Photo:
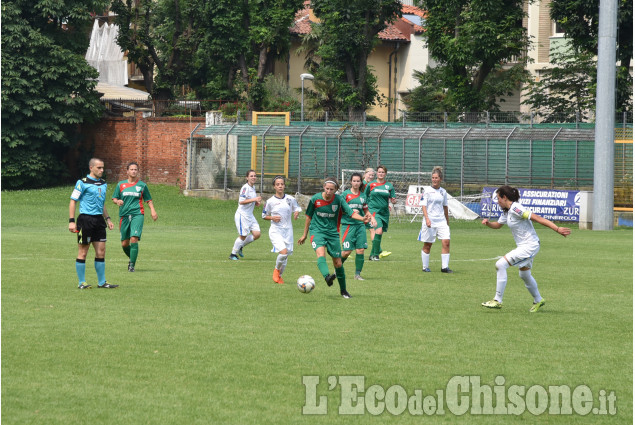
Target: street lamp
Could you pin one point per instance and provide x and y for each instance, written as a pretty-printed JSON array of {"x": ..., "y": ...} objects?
[{"x": 302, "y": 78}]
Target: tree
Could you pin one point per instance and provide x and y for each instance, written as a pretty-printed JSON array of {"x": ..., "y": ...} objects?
[
  {"x": 580, "y": 20},
  {"x": 47, "y": 87},
  {"x": 162, "y": 34},
  {"x": 204, "y": 44},
  {"x": 473, "y": 40},
  {"x": 431, "y": 95},
  {"x": 265, "y": 37},
  {"x": 348, "y": 30},
  {"x": 566, "y": 92}
]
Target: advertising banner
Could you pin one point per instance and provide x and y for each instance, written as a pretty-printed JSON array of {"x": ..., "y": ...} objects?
[{"x": 555, "y": 205}]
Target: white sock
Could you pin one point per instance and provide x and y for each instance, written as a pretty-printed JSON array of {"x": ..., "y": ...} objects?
[
  {"x": 280, "y": 262},
  {"x": 425, "y": 259},
  {"x": 249, "y": 239},
  {"x": 501, "y": 278},
  {"x": 284, "y": 265},
  {"x": 237, "y": 244},
  {"x": 530, "y": 284},
  {"x": 445, "y": 261}
]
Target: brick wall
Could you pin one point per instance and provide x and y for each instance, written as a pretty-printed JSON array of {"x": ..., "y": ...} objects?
[{"x": 159, "y": 145}]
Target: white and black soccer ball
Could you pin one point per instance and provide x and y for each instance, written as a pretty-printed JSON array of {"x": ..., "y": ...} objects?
[{"x": 306, "y": 284}]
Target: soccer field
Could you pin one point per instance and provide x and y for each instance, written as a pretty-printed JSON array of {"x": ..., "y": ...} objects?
[{"x": 194, "y": 338}]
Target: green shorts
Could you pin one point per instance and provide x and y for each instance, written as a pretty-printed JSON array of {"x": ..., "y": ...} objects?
[
  {"x": 131, "y": 225},
  {"x": 354, "y": 237},
  {"x": 382, "y": 221},
  {"x": 332, "y": 244}
]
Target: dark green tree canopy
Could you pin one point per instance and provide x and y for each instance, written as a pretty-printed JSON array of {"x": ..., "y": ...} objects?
[
  {"x": 473, "y": 41},
  {"x": 203, "y": 44},
  {"x": 164, "y": 34},
  {"x": 348, "y": 34},
  {"x": 47, "y": 87}
]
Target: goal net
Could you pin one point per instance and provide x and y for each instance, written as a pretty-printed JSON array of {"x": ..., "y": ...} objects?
[{"x": 408, "y": 189}]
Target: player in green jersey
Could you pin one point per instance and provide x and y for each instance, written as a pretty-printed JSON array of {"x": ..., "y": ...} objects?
[
  {"x": 130, "y": 195},
  {"x": 378, "y": 195},
  {"x": 354, "y": 232},
  {"x": 323, "y": 216}
]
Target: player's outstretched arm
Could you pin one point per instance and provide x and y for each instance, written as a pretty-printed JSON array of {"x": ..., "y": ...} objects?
[
  {"x": 564, "y": 231},
  {"x": 358, "y": 217},
  {"x": 491, "y": 224}
]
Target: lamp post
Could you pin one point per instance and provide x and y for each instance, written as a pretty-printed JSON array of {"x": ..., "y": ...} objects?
[{"x": 302, "y": 78}]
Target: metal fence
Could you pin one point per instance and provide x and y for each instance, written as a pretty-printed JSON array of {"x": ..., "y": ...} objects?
[
  {"x": 236, "y": 112},
  {"x": 472, "y": 157}
]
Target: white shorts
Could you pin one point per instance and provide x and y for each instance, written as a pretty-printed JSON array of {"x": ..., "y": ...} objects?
[
  {"x": 522, "y": 256},
  {"x": 244, "y": 225},
  {"x": 281, "y": 240},
  {"x": 429, "y": 234}
]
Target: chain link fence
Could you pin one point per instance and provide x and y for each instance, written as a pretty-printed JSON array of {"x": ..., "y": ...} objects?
[{"x": 540, "y": 155}]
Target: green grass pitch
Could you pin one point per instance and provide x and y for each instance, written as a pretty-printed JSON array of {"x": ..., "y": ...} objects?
[{"x": 193, "y": 338}]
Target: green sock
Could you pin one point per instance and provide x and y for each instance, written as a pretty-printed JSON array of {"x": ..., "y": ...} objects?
[
  {"x": 126, "y": 250},
  {"x": 359, "y": 263},
  {"x": 323, "y": 267},
  {"x": 376, "y": 245},
  {"x": 344, "y": 259},
  {"x": 341, "y": 278},
  {"x": 134, "y": 252}
]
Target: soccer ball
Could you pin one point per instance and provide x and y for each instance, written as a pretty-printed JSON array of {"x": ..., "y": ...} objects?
[{"x": 305, "y": 284}]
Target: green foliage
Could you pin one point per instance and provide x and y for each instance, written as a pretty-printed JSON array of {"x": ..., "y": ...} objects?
[
  {"x": 231, "y": 109},
  {"x": 580, "y": 21},
  {"x": 346, "y": 36},
  {"x": 164, "y": 34},
  {"x": 433, "y": 95},
  {"x": 279, "y": 96},
  {"x": 220, "y": 49},
  {"x": 47, "y": 87},
  {"x": 566, "y": 91},
  {"x": 194, "y": 338},
  {"x": 473, "y": 40},
  {"x": 430, "y": 95}
]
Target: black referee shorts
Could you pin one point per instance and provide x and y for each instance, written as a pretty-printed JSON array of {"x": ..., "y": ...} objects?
[{"x": 90, "y": 228}]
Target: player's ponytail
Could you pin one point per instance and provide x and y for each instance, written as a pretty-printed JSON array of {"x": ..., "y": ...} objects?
[{"x": 509, "y": 192}]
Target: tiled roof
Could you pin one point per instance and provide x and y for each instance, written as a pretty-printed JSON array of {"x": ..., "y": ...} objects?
[
  {"x": 302, "y": 24},
  {"x": 413, "y": 10},
  {"x": 394, "y": 32}
]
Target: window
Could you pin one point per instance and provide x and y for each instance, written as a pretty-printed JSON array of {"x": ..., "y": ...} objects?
[{"x": 556, "y": 29}]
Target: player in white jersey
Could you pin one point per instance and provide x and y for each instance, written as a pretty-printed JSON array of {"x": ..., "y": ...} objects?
[
  {"x": 246, "y": 223},
  {"x": 279, "y": 209},
  {"x": 436, "y": 223},
  {"x": 519, "y": 219}
]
